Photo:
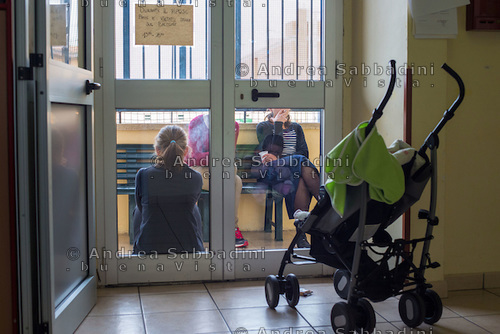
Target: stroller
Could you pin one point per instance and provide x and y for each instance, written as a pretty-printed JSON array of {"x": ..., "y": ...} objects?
[{"x": 370, "y": 265}]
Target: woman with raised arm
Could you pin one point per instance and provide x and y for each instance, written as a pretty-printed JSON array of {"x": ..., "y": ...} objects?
[{"x": 286, "y": 166}]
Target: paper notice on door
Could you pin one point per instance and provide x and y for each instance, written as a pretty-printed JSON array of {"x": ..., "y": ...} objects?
[
  {"x": 424, "y": 7},
  {"x": 163, "y": 25},
  {"x": 438, "y": 25},
  {"x": 58, "y": 25}
]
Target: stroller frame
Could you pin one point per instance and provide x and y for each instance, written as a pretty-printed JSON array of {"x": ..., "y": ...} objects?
[{"x": 358, "y": 314}]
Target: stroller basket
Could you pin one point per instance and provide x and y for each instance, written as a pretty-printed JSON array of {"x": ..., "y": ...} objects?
[{"x": 370, "y": 265}]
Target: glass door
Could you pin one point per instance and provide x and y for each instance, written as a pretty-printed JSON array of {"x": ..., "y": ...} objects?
[
  {"x": 209, "y": 74},
  {"x": 65, "y": 166},
  {"x": 284, "y": 55},
  {"x": 161, "y": 70}
]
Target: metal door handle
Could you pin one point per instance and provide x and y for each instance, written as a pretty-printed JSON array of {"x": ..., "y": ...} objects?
[
  {"x": 256, "y": 95},
  {"x": 91, "y": 86}
]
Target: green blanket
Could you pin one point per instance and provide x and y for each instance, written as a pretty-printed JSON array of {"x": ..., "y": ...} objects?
[{"x": 356, "y": 159}]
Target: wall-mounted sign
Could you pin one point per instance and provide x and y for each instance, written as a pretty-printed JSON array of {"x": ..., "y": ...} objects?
[{"x": 163, "y": 24}]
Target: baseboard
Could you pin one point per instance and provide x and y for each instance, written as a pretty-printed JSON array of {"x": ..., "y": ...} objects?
[
  {"x": 492, "y": 280},
  {"x": 464, "y": 281},
  {"x": 473, "y": 281}
]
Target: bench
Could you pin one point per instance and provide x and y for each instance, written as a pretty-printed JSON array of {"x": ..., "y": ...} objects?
[{"x": 132, "y": 157}]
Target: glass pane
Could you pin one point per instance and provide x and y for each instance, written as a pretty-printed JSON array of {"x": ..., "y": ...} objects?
[
  {"x": 278, "y": 41},
  {"x": 271, "y": 194},
  {"x": 134, "y": 61},
  {"x": 162, "y": 203},
  {"x": 67, "y": 33},
  {"x": 69, "y": 197}
]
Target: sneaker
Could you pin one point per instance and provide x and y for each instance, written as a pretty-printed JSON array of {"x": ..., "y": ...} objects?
[
  {"x": 302, "y": 240},
  {"x": 240, "y": 241}
]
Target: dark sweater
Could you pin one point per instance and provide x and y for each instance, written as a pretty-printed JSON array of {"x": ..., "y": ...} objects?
[
  {"x": 166, "y": 219},
  {"x": 270, "y": 136}
]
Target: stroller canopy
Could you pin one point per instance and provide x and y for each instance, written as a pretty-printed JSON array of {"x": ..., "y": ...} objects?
[{"x": 356, "y": 159}]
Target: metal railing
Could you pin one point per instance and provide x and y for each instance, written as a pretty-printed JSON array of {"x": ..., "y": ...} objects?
[
  {"x": 128, "y": 116},
  {"x": 273, "y": 40}
]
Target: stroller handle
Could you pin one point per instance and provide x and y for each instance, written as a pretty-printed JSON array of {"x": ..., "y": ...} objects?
[
  {"x": 461, "y": 86},
  {"x": 377, "y": 113},
  {"x": 432, "y": 140}
]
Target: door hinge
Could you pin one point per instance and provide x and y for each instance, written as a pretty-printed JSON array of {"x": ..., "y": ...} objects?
[
  {"x": 26, "y": 73},
  {"x": 43, "y": 328},
  {"x": 101, "y": 67},
  {"x": 36, "y": 60}
]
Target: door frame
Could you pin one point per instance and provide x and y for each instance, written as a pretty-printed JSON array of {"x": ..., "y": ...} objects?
[
  {"x": 222, "y": 107},
  {"x": 24, "y": 105},
  {"x": 111, "y": 269},
  {"x": 331, "y": 124}
]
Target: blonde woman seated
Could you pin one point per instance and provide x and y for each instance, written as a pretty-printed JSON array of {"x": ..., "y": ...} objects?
[{"x": 166, "y": 218}]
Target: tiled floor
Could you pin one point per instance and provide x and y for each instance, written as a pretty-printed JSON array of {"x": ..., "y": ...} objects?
[{"x": 240, "y": 308}]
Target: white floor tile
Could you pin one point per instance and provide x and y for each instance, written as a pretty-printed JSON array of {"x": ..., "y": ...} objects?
[
  {"x": 119, "y": 324},
  {"x": 263, "y": 317},
  {"x": 177, "y": 302},
  {"x": 192, "y": 322},
  {"x": 117, "y": 305}
]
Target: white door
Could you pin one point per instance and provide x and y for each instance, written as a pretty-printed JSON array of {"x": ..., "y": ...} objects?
[
  {"x": 65, "y": 166},
  {"x": 151, "y": 83},
  {"x": 148, "y": 84},
  {"x": 284, "y": 55}
]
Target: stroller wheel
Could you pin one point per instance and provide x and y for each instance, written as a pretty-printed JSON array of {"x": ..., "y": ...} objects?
[
  {"x": 365, "y": 323},
  {"x": 341, "y": 280},
  {"x": 272, "y": 287},
  {"x": 343, "y": 318},
  {"x": 292, "y": 290},
  {"x": 433, "y": 307},
  {"x": 411, "y": 309}
]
